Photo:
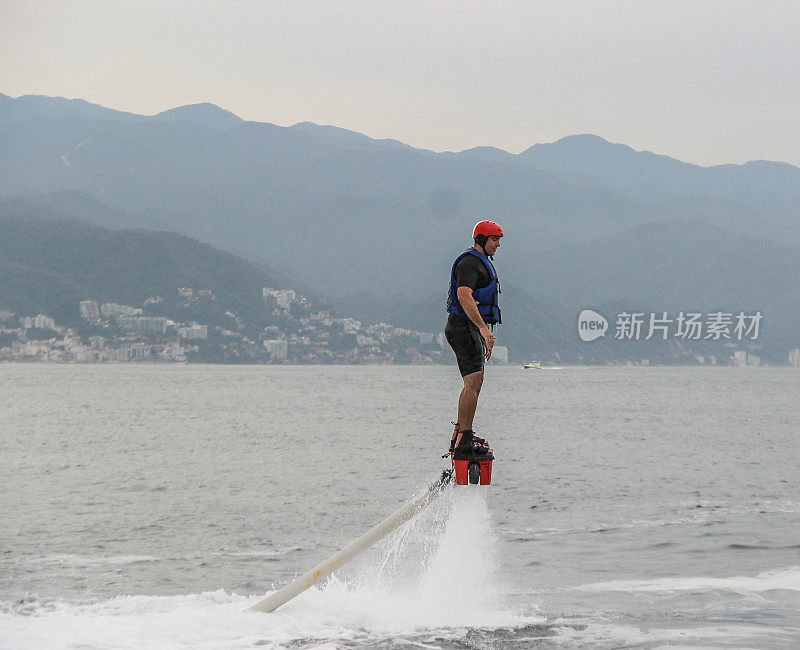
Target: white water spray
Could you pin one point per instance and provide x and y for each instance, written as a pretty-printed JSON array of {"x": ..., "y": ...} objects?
[{"x": 438, "y": 571}]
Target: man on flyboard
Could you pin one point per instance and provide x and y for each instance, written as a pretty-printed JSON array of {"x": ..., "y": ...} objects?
[{"x": 472, "y": 308}]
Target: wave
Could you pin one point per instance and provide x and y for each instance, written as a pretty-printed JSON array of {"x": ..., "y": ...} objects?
[
  {"x": 595, "y": 634},
  {"x": 75, "y": 560},
  {"x": 71, "y": 559},
  {"x": 786, "y": 578},
  {"x": 702, "y": 513}
]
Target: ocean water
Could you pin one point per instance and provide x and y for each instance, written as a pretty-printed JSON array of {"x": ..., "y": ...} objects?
[{"x": 149, "y": 506}]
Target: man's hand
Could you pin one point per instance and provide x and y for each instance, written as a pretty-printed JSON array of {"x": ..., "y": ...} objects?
[{"x": 488, "y": 339}]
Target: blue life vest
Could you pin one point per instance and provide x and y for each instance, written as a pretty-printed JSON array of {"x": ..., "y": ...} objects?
[{"x": 485, "y": 297}]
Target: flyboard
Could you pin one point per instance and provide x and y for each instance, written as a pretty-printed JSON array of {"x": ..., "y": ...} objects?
[{"x": 468, "y": 468}]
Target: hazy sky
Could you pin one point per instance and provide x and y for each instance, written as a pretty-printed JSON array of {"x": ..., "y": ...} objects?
[{"x": 703, "y": 81}]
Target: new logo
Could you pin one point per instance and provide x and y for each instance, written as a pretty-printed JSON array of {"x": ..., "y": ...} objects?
[{"x": 591, "y": 325}]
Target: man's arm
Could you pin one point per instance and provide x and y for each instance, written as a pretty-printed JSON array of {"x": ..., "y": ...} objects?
[{"x": 470, "y": 308}]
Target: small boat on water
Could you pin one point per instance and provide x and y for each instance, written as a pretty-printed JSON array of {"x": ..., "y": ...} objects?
[{"x": 533, "y": 364}]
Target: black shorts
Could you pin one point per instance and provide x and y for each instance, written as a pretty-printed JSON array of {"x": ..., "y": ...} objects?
[{"x": 467, "y": 343}]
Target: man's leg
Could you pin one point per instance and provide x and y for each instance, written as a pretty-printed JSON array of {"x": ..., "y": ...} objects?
[
  {"x": 468, "y": 400},
  {"x": 467, "y": 343}
]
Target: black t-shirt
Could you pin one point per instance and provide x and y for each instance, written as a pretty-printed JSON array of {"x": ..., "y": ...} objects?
[{"x": 472, "y": 272}]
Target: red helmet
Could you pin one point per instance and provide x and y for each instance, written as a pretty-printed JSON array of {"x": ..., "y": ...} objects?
[{"x": 487, "y": 229}]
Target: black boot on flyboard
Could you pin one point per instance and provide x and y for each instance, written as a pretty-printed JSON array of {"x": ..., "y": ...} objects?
[
  {"x": 479, "y": 445},
  {"x": 472, "y": 458}
]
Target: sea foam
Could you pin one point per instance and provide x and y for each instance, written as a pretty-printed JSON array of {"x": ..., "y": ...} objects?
[{"x": 437, "y": 574}]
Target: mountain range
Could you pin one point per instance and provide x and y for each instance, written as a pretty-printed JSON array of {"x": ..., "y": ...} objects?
[
  {"x": 375, "y": 224},
  {"x": 49, "y": 264}
]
